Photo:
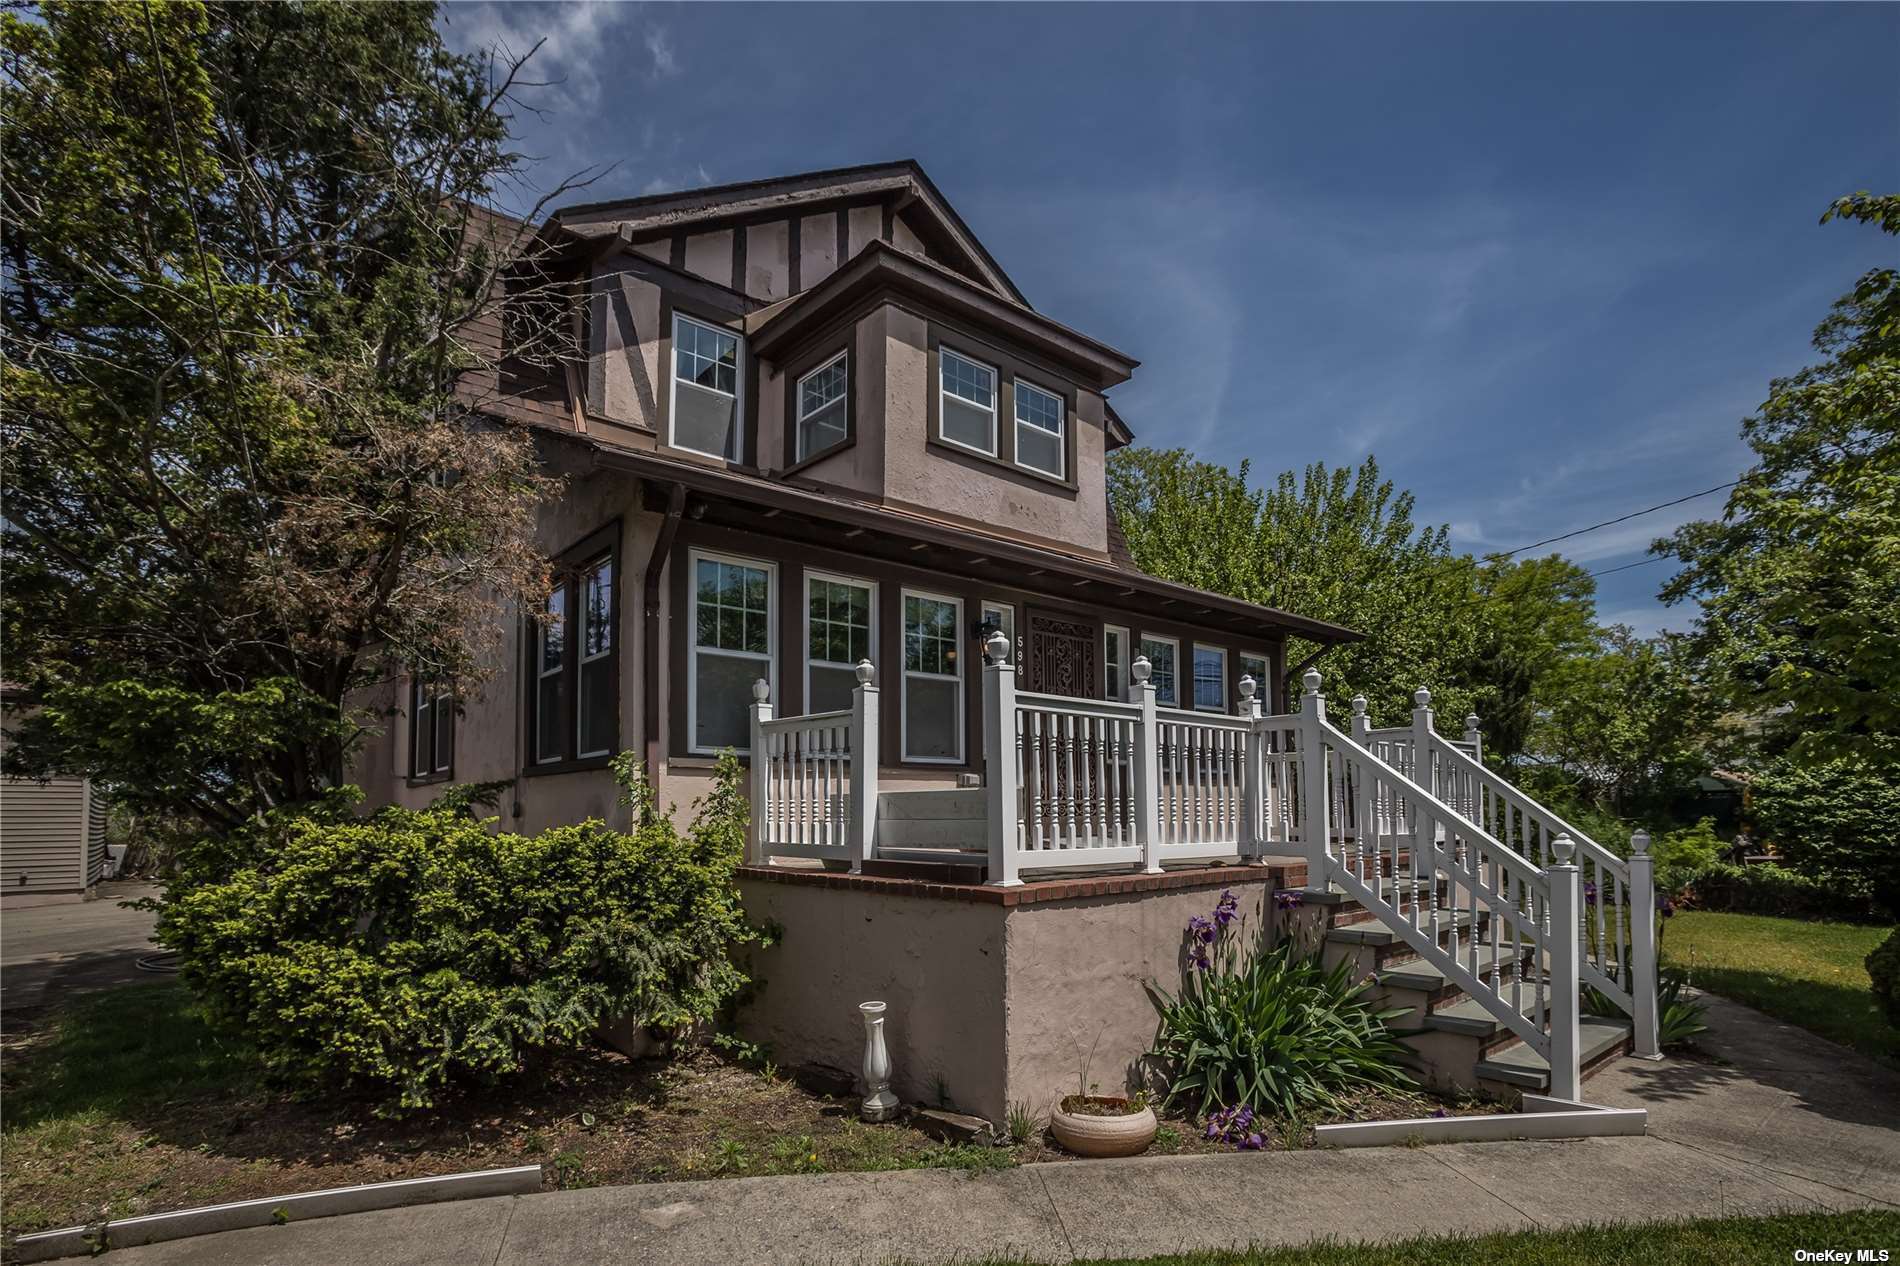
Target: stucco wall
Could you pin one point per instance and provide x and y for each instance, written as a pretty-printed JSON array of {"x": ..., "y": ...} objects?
[
  {"x": 1075, "y": 973},
  {"x": 937, "y": 964},
  {"x": 919, "y": 475}
]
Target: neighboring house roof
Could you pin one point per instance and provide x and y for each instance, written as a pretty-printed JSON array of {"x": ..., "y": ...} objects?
[
  {"x": 708, "y": 208},
  {"x": 969, "y": 547}
]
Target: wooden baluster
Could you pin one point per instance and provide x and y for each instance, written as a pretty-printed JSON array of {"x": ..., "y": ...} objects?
[
  {"x": 1068, "y": 779},
  {"x": 1091, "y": 784},
  {"x": 1032, "y": 776}
]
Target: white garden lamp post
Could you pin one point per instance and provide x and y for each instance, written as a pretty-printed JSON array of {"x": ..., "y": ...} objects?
[{"x": 879, "y": 1103}]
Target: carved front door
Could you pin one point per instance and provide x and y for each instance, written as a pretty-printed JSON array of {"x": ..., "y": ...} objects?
[{"x": 1060, "y": 657}]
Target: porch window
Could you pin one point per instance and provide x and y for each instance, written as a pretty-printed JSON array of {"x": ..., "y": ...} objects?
[
  {"x": 840, "y": 623},
  {"x": 1255, "y": 666},
  {"x": 431, "y": 729},
  {"x": 1115, "y": 663},
  {"x": 550, "y": 654},
  {"x": 1040, "y": 426},
  {"x": 594, "y": 717},
  {"x": 1162, "y": 653},
  {"x": 732, "y": 615},
  {"x": 574, "y": 711},
  {"x": 707, "y": 405},
  {"x": 1210, "y": 678},
  {"x": 967, "y": 403},
  {"x": 933, "y": 679},
  {"x": 821, "y": 406}
]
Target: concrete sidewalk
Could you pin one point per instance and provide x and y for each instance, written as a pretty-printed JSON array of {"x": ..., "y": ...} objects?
[
  {"x": 48, "y": 952},
  {"x": 1790, "y": 1123}
]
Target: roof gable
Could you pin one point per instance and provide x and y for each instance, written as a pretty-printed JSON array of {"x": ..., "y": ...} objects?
[{"x": 902, "y": 187}]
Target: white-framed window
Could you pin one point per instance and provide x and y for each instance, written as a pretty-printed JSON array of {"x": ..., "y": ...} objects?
[
  {"x": 1254, "y": 665},
  {"x": 966, "y": 402},
  {"x": 933, "y": 678},
  {"x": 1041, "y": 430},
  {"x": 707, "y": 409},
  {"x": 1115, "y": 662},
  {"x": 550, "y": 660},
  {"x": 1003, "y": 616},
  {"x": 822, "y": 404},
  {"x": 732, "y": 609},
  {"x": 1210, "y": 678},
  {"x": 594, "y": 713},
  {"x": 1164, "y": 655},
  {"x": 840, "y": 630}
]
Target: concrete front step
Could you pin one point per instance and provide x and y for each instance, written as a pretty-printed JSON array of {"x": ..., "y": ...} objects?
[
  {"x": 1601, "y": 1041},
  {"x": 1377, "y": 933}
]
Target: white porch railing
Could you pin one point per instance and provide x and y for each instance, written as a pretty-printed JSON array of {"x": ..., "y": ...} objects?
[{"x": 814, "y": 779}]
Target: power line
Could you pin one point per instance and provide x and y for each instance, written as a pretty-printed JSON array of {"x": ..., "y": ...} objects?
[
  {"x": 1634, "y": 514},
  {"x": 1607, "y": 571}
]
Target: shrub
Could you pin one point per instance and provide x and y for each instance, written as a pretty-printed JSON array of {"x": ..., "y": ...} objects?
[
  {"x": 401, "y": 952},
  {"x": 1765, "y": 888},
  {"x": 1680, "y": 854},
  {"x": 1834, "y": 823},
  {"x": 1268, "y": 1028},
  {"x": 1677, "y": 1018},
  {"x": 1883, "y": 966}
]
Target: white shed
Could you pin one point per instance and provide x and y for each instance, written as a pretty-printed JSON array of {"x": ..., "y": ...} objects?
[{"x": 52, "y": 837}]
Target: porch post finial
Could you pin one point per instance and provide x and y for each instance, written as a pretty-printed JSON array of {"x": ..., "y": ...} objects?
[
  {"x": 761, "y": 690},
  {"x": 1141, "y": 669},
  {"x": 865, "y": 672},
  {"x": 1422, "y": 697},
  {"x": 1361, "y": 723},
  {"x": 1310, "y": 679},
  {"x": 1247, "y": 686},
  {"x": 997, "y": 647}
]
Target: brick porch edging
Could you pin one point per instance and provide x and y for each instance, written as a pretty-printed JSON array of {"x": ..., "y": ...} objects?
[{"x": 1037, "y": 891}]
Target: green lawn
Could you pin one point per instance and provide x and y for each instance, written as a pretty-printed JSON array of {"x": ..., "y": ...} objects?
[
  {"x": 1810, "y": 974},
  {"x": 1712, "y": 1242}
]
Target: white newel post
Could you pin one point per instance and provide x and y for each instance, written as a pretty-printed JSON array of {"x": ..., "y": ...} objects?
[
  {"x": 864, "y": 751},
  {"x": 1566, "y": 1007},
  {"x": 761, "y": 774},
  {"x": 1253, "y": 770},
  {"x": 1475, "y": 737},
  {"x": 1147, "y": 764},
  {"x": 1422, "y": 762},
  {"x": 1315, "y": 797},
  {"x": 1361, "y": 723},
  {"x": 1646, "y": 1039},
  {"x": 1000, "y": 766}
]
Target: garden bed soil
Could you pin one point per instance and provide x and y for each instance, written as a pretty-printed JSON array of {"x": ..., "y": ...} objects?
[{"x": 124, "y": 1103}]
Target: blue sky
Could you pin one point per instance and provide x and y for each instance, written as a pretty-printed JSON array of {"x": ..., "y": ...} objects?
[{"x": 1540, "y": 260}]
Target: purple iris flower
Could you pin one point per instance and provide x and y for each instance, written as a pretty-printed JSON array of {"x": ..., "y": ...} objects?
[
  {"x": 1252, "y": 1143},
  {"x": 1667, "y": 907},
  {"x": 1198, "y": 958},
  {"x": 1589, "y": 894},
  {"x": 1287, "y": 899},
  {"x": 1228, "y": 907}
]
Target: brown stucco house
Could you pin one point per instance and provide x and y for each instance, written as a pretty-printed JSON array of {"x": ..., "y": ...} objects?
[{"x": 835, "y": 499}]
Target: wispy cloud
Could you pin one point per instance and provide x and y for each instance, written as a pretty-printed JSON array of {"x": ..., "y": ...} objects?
[
  {"x": 579, "y": 42},
  {"x": 660, "y": 49}
]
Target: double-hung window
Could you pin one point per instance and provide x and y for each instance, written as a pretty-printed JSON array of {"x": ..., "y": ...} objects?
[
  {"x": 933, "y": 679},
  {"x": 573, "y": 661},
  {"x": 707, "y": 406},
  {"x": 733, "y": 610},
  {"x": 1041, "y": 430},
  {"x": 840, "y": 630},
  {"x": 1115, "y": 662},
  {"x": 1210, "y": 678},
  {"x": 966, "y": 404},
  {"x": 1162, "y": 653},
  {"x": 431, "y": 729},
  {"x": 822, "y": 405}
]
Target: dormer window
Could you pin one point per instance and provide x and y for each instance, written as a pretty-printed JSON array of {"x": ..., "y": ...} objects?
[
  {"x": 967, "y": 415},
  {"x": 707, "y": 403},
  {"x": 822, "y": 405},
  {"x": 1040, "y": 430}
]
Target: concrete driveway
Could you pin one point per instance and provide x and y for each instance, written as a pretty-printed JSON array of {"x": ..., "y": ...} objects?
[{"x": 49, "y": 951}]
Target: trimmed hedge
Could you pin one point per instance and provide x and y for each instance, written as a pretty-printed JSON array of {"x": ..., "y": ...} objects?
[
  {"x": 404, "y": 952},
  {"x": 1765, "y": 888}
]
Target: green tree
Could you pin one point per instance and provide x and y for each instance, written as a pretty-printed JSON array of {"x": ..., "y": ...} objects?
[
  {"x": 1530, "y": 620},
  {"x": 243, "y": 246},
  {"x": 1799, "y": 581}
]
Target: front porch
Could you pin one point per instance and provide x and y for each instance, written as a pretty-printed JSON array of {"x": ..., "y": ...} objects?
[{"x": 1476, "y": 909}]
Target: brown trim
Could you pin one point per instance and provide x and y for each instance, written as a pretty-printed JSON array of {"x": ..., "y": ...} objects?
[
  {"x": 844, "y": 236},
  {"x": 738, "y": 260},
  {"x": 605, "y": 541},
  {"x": 1279, "y": 876},
  {"x": 455, "y": 716},
  {"x": 796, "y": 370},
  {"x": 887, "y": 229},
  {"x": 1008, "y": 369},
  {"x": 652, "y": 609},
  {"x": 676, "y": 252},
  {"x": 794, "y": 245}
]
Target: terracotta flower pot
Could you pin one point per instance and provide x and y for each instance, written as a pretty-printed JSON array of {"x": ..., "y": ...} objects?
[{"x": 1115, "y": 1132}]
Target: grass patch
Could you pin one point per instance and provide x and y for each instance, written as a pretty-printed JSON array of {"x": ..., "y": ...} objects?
[
  {"x": 1707, "y": 1242},
  {"x": 1810, "y": 974}
]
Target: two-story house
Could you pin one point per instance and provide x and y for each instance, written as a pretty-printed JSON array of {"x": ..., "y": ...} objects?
[{"x": 835, "y": 498}]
